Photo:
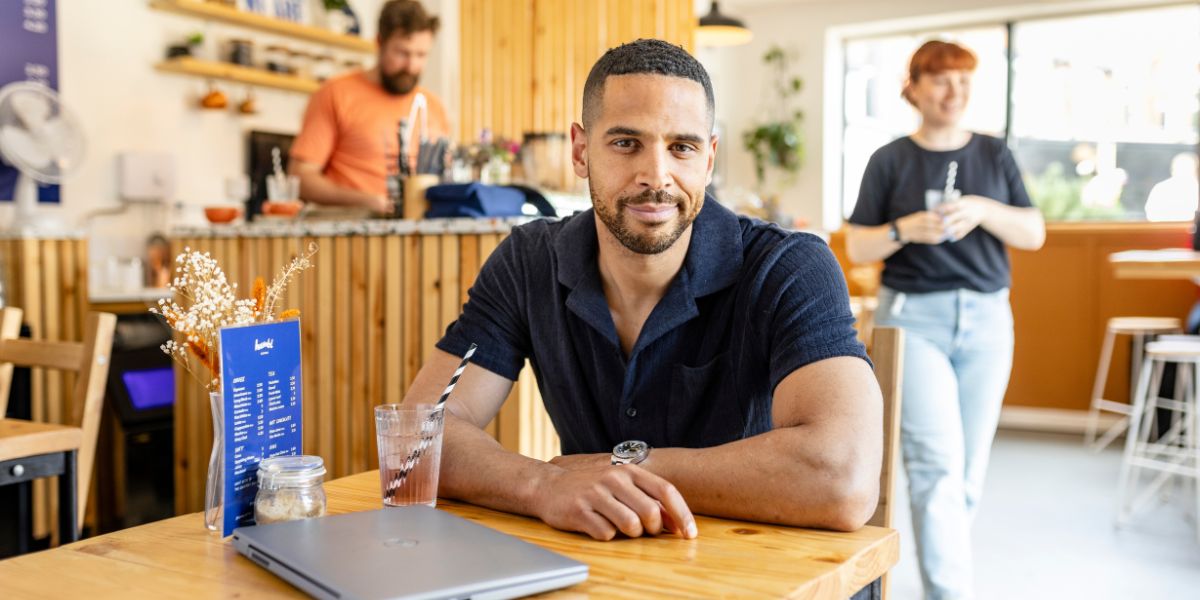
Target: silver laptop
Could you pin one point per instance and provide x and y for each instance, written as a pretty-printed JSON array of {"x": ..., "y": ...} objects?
[{"x": 413, "y": 552}]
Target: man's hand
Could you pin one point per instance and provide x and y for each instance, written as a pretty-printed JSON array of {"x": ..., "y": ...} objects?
[
  {"x": 965, "y": 214},
  {"x": 602, "y": 499},
  {"x": 575, "y": 462},
  {"x": 381, "y": 205}
]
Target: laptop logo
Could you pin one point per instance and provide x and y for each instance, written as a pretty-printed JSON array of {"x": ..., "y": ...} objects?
[{"x": 400, "y": 543}]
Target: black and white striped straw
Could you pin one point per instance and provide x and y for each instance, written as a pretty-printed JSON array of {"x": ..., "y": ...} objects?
[{"x": 462, "y": 366}]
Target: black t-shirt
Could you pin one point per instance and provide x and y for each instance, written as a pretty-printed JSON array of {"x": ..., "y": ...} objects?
[{"x": 903, "y": 178}]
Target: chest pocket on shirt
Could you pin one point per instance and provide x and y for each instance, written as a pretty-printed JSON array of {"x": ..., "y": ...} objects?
[{"x": 704, "y": 409}]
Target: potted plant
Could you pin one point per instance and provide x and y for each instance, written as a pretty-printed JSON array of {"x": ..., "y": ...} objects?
[
  {"x": 777, "y": 143},
  {"x": 340, "y": 18}
]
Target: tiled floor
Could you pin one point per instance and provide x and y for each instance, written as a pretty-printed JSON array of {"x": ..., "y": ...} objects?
[{"x": 1045, "y": 530}]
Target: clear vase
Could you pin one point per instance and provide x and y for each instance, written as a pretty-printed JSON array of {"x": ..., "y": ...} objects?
[{"x": 214, "y": 490}]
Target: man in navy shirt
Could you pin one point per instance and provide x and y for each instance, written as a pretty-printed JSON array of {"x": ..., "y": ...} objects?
[{"x": 690, "y": 359}]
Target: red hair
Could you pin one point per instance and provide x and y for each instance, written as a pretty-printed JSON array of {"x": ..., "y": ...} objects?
[{"x": 936, "y": 56}]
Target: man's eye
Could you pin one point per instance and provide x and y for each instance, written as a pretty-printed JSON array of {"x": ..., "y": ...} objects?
[
  {"x": 624, "y": 143},
  {"x": 682, "y": 148}
]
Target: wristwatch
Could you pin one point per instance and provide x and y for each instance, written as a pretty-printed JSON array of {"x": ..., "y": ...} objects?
[
  {"x": 894, "y": 233},
  {"x": 630, "y": 452}
]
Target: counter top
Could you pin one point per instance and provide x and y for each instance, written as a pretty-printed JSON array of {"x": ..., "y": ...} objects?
[
  {"x": 104, "y": 296},
  {"x": 346, "y": 228}
]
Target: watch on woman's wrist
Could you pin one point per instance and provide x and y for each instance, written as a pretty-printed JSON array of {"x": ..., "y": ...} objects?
[
  {"x": 894, "y": 233},
  {"x": 630, "y": 452}
]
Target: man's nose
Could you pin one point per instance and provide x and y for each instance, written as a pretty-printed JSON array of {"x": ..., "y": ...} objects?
[{"x": 654, "y": 169}]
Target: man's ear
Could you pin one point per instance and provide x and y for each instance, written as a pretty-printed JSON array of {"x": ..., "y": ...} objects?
[
  {"x": 579, "y": 158},
  {"x": 712, "y": 158}
]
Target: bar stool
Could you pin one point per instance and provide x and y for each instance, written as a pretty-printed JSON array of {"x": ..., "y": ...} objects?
[
  {"x": 1175, "y": 452},
  {"x": 1138, "y": 328}
]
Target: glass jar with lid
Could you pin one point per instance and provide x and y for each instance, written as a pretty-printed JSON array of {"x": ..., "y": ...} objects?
[
  {"x": 289, "y": 488},
  {"x": 276, "y": 59},
  {"x": 323, "y": 67},
  {"x": 300, "y": 64}
]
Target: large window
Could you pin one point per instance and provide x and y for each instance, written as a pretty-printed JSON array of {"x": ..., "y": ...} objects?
[
  {"x": 875, "y": 114},
  {"x": 1104, "y": 113}
]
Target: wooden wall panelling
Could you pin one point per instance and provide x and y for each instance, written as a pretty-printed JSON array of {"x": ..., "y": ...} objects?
[
  {"x": 306, "y": 300},
  {"x": 340, "y": 408},
  {"x": 430, "y": 289},
  {"x": 412, "y": 309},
  {"x": 360, "y": 400},
  {"x": 393, "y": 382},
  {"x": 324, "y": 266},
  {"x": 374, "y": 346}
]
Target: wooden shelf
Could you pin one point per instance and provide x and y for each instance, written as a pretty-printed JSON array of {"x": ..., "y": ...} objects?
[
  {"x": 219, "y": 12},
  {"x": 230, "y": 72}
]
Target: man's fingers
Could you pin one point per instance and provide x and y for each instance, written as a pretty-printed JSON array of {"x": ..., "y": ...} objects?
[
  {"x": 648, "y": 510},
  {"x": 620, "y": 515},
  {"x": 597, "y": 526},
  {"x": 673, "y": 503}
]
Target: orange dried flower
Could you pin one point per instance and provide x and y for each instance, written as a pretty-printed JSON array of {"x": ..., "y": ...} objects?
[
  {"x": 259, "y": 293},
  {"x": 290, "y": 313}
]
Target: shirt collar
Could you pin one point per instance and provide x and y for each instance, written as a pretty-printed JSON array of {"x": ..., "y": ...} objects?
[{"x": 713, "y": 261}]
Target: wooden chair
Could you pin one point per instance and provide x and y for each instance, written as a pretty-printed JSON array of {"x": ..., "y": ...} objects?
[
  {"x": 30, "y": 450},
  {"x": 887, "y": 352}
]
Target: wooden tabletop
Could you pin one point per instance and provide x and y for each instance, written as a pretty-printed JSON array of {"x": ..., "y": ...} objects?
[
  {"x": 178, "y": 558},
  {"x": 1169, "y": 263}
]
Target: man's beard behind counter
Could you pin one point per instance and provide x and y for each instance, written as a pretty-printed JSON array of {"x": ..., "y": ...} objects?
[{"x": 399, "y": 83}]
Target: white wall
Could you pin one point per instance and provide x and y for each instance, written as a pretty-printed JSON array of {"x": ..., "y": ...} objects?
[
  {"x": 107, "y": 52},
  {"x": 807, "y": 26}
]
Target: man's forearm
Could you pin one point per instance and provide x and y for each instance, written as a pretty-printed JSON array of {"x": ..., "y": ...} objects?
[
  {"x": 477, "y": 469},
  {"x": 318, "y": 189},
  {"x": 794, "y": 476}
]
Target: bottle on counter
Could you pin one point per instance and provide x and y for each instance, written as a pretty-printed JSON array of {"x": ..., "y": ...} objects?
[{"x": 290, "y": 488}]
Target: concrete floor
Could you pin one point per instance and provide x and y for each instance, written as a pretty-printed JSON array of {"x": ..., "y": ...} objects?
[{"x": 1045, "y": 529}]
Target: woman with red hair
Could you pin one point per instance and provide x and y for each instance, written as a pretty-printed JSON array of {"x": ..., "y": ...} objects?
[{"x": 939, "y": 208}]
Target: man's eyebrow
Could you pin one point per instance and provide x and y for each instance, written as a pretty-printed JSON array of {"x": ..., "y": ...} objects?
[
  {"x": 621, "y": 130},
  {"x": 631, "y": 132}
]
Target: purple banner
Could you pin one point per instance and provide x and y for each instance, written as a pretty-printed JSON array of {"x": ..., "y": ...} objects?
[{"x": 28, "y": 52}]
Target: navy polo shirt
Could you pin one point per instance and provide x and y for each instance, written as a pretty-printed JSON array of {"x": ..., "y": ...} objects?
[{"x": 751, "y": 304}]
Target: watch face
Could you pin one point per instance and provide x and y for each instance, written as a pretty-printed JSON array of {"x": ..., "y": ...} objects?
[{"x": 631, "y": 449}]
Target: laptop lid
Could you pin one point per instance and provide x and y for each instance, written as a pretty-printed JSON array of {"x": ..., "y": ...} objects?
[{"x": 412, "y": 552}]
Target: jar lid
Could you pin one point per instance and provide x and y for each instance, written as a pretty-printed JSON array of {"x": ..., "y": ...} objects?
[{"x": 279, "y": 471}]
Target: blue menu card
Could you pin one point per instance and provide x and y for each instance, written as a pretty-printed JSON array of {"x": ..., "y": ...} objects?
[{"x": 260, "y": 388}]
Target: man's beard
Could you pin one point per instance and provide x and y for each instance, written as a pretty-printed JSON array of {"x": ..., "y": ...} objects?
[
  {"x": 651, "y": 243},
  {"x": 398, "y": 83}
]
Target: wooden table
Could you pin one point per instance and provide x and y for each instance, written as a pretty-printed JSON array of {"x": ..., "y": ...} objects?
[
  {"x": 177, "y": 558},
  {"x": 1168, "y": 263}
]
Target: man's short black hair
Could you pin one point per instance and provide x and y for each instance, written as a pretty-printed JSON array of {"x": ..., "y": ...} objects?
[{"x": 643, "y": 56}]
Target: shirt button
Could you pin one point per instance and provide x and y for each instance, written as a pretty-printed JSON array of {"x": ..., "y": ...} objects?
[{"x": 631, "y": 412}]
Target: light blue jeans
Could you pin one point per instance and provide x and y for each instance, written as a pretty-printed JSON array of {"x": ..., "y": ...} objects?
[{"x": 957, "y": 357}]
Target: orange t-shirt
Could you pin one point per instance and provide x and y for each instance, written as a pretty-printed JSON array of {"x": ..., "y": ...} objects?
[{"x": 350, "y": 129}]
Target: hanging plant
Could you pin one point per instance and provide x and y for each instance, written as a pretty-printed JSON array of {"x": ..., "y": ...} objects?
[{"x": 778, "y": 142}]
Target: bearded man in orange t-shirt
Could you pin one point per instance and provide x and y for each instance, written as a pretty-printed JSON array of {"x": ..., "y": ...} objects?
[{"x": 348, "y": 143}]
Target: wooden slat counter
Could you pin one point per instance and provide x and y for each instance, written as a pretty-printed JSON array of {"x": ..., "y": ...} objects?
[
  {"x": 379, "y": 297},
  {"x": 47, "y": 278}
]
